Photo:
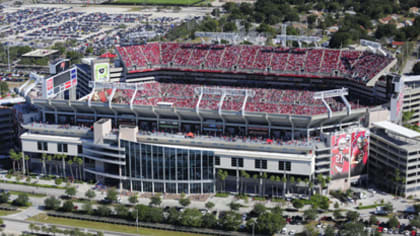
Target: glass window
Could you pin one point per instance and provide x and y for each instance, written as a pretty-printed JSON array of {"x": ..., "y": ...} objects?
[
  {"x": 288, "y": 166},
  {"x": 257, "y": 164},
  {"x": 217, "y": 161},
  {"x": 281, "y": 165},
  {"x": 264, "y": 164},
  {"x": 233, "y": 162}
]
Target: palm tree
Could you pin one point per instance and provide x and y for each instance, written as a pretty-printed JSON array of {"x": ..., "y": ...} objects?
[
  {"x": 255, "y": 177},
  {"x": 44, "y": 168},
  {"x": 264, "y": 178},
  {"x": 12, "y": 155},
  {"x": 272, "y": 179},
  {"x": 222, "y": 175},
  {"x": 311, "y": 185},
  {"x": 292, "y": 183},
  {"x": 284, "y": 180},
  {"x": 298, "y": 182},
  {"x": 246, "y": 176},
  {"x": 63, "y": 161},
  {"x": 79, "y": 164},
  {"x": 278, "y": 180},
  {"x": 25, "y": 158},
  {"x": 320, "y": 182},
  {"x": 49, "y": 159},
  {"x": 70, "y": 164},
  {"x": 306, "y": 180}
]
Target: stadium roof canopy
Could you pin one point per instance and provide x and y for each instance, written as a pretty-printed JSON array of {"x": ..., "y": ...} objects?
[{"x": 397, "y": 129}]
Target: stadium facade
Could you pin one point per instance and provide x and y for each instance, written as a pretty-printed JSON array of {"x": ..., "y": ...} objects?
[{"x": 175, "y": 118}]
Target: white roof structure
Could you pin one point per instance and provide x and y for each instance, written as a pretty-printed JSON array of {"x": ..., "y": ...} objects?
[{"x": 397, "y": 129}]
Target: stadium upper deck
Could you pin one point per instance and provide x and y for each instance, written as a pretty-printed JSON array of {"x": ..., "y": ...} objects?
[{"x": 357, "y": 66}]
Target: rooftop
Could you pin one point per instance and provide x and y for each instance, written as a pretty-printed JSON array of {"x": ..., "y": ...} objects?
[
  {"x": 40, "y": 53},
  {"x": 397, "y": 129}
]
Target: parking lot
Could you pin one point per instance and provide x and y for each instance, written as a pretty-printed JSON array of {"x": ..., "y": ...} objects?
[{"x": 98, "y": 27}]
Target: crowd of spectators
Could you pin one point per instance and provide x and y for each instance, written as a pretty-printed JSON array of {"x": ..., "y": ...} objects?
[
  {"x": 356, "y": 65},
  {"x": 266, "y": 100}
]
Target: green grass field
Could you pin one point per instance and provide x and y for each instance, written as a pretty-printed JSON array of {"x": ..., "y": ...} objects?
[
  {"x": 43, "y": 218},
  {"x": 158, "y": 2},
  {"x": 5, "y": 213},
  {"x": 40, "y": 195}
]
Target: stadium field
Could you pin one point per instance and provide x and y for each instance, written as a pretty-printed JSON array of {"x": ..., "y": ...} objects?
[{"x": 158, "y": 2}]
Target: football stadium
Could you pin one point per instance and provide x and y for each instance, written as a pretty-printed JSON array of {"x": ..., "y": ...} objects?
[{"x": 197, "y": 118}]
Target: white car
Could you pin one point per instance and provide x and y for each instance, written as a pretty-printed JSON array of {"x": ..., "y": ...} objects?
[
  {"x": 284, "y": 230},
  {"x": 292, "y": 232}
]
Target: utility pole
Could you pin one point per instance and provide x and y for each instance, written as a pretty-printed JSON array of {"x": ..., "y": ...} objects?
[{"x": 8, "y": 56}]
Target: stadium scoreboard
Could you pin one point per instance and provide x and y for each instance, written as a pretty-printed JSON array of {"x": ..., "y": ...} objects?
[{"x": 60, "y": 82}]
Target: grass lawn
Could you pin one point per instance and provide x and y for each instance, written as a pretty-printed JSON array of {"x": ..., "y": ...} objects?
[
  {"x": 5, "y": 213},
  {"x": 105, "y": 226},
  {"x": 158, "y": 2},
  {"x": 40, "y": 195},
  {"x": 369, "y": 206}
]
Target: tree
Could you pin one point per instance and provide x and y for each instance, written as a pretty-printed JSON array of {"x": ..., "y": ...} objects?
[
  {"x": 352, "y": 229},
  {"x": 14, "y": 157},
  {"x": 337, "y": 214},
  {"x": 340, "y": 39},
  {"x": 310, "y": 214},
  {"x": 415, "y": 222},
  {"x": 269, "y": 223},
  {"x": 373, "y": 220},
  {"x": 388, "y": 207},
  {"x": 234, "y": 206},
  {"x": 310, "y": 230},
  {"x": 68, "y": 206},
  {"x": 336, "y": 205},
  {"x": 416, "y": 69},
  {"x": 21, "y": 200},
  {"x": 393, "y": 222},
  {"x": 173, "y": 216},
  {"x": 184, "y": 202},
  {"x": 155, "y": 200},
  {"x": 70, "y": 164},
  {"x": 133, "y": 199},
  {"x": 222, "y": 175},
  {"x": 258, "y": 209},
  {"x": 52, "y": 203},
  {"x": 191, "y": 217},
  {"x": 44, "y": 167},
  {"x": 121, "y": 211},
  {"x": 230, "y": 221},
  {"x": 71, "y": 191},
  {"x": 320, "y": 201},
  {"x": 154, "y": 215},
  {"x": 209, "y": 220},
  {"x": 49, "y": 159},
  {"x": 112, "y": 195},
  {"x": 297, "y": 203},
  {"x": 352, "y": 215},
  {"x": 209, "y": 205},
  {"x": 103, "y": 211},
  {"x": 90, "y": 194},
  {"x": 4, "y": 197},
  {"x": 329, "y": 231},
  {"x": 87, "y": 207}
]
